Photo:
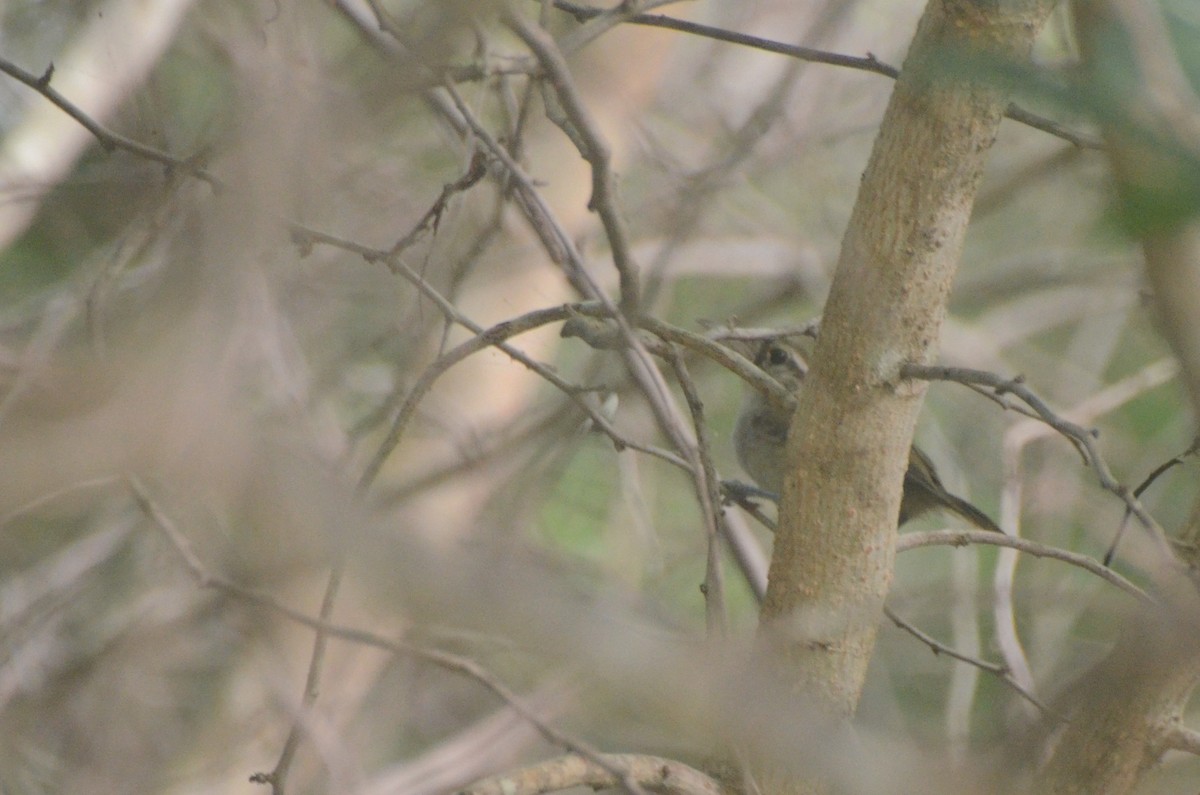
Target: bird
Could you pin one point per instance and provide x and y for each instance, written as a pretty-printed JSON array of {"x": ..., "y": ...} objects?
[{"x": 760, "y": 441}]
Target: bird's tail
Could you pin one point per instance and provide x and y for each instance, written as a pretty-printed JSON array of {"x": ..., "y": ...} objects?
[{"x": 972, "y": 514}]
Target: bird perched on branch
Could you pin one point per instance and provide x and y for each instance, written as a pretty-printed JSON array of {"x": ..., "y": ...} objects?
[{"x": 760, "y": 439}]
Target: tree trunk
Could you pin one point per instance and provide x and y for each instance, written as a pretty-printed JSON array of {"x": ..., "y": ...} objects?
[{"x": 850, "y": 438}]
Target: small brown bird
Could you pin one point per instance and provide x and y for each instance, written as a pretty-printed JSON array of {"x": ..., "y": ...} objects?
[{"x": 760, "y": 438}]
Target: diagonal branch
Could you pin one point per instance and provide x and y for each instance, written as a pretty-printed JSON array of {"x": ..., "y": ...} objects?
[
  {"x": 595, "y": 151},
  {"x": 869, "y": 63},
  {"x": 1083, "y": 438},
  {"x": 107, "y": 138},
  {"x": 937, "y": 647}
]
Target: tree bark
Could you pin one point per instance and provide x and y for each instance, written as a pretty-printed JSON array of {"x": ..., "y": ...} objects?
[{"x": 850, "y": 438}]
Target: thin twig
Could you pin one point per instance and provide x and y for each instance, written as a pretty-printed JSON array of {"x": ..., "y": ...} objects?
[
  {"x": 869, "y": 63},
  {"x": 734, "y": 492},
  {"x": 277, "y": 778},
  {"x": 53, "y": 496},
  {"x": 961, "y": 538},
  {"x": 1016, "y": 439},
  {"x": 390, "y": 39},
  {"x": 561, "y": 247},
  {"x": 495, "y": 336},
  {"x": 595, "y": 151},
  {"x": 589, "y": 324},
  {"x": 476, "y": 170},
  {"x": 604, "y": 335},
  {"x": 597, "y": 24},
  {"x": 487, "y": 444},
  {"x": 1003, "y": 402},
  {"x": 708, "y": 183},
  {"x": 939, "y": 648},
  {"x": 562, "y": 250},
  {"x": 708, "y": 492},
  {"x": 603, "y": 338},
  {"x": 108, "y": 139},
  {"x": 998, "y": 670},
  {"x": 1141, "y": 488},
  {"x": 1084, "y": 438}
]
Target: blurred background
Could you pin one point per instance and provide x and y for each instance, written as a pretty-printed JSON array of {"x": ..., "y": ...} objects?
[{"x": 182, "y": 359}]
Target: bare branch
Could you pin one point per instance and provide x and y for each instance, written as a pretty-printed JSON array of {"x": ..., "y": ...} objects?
[
  {"x": 595, "y": 151},
  {"x": 708, "y": 487},
  {"x": 866, "y": 64},
  {"x": 722, "y": 333},
  {"x": 476, "y": 171},
  {"x": 654, "y": 773},
  {"x": 277, "y": 778},
  {"x": 562, "y": 250},
  {"x": 493, "y": 337},
  {"x": 602, "y": 335},
  {"x": 959, "y": 538},
  {"x": 937, "y": 647},
  {"x": 1083, "y": 438},
  {"x": 1158, "y": 471},
  {"x": 594, "y": 25},
  {"x": 107, "y": 138}
]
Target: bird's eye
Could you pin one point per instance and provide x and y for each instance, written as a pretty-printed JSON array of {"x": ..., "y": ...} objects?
[{"x": 777, "y": 356}]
